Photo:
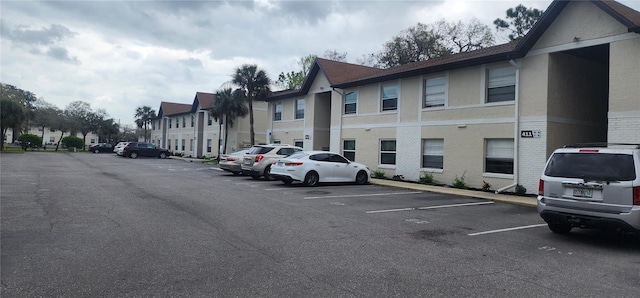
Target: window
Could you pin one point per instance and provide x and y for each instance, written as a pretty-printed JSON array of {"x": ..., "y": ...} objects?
[
  {"x": 432, "y": 153},
  {"x": 277, "y": 141},
  {"x": 191, "y": 144},
  {"x": 388, "y": 152},
  {"x": 40, "y": 128},
  {"x": 169, "y": 122},
  {"x": 502, "y": 84},
  {"x": 209, "y": 145},
  {"x": 52, "y": 139},
  {"x": 499, "y": 156},
  {"x": 184, "y": 121},
  {"x": 434, "y": 92},
  {"x": 300, "y": 108},
  {"x": 176, "y": 144},
  {"x": 93, "y": 141},
  {"x": 169, "y": 144},
  {"x": 210, "y": 120},
  {"x": 390, "y": 98},
  {"x": 192, "y": 120},
  {"x": 277, "y": 112},
  {"x": 349, "y": 149},
  {"x": 183, "y": 143},
  {"x": 52, "y": 130},
  {"x": 350, "y": 102},
  {"x": 298, "y": 143}
]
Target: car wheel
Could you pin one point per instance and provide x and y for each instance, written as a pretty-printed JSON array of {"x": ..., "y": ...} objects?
[
  {"x": 287, "y": 181},
  {"x": 133, "y": 154},
  {"x": 311, "y": 179},
  {"x": 235, "y": 173},
  {"x": 163, "y": 155},
  {"x": 560, "y": 228},
  {"x": 266, "y": 173},
  {"x": 361, "y": 177},
  {"x": 96, "y": 151},
  {"x": 255, "y": 177}
]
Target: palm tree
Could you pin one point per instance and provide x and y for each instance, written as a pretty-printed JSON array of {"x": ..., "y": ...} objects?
[
  {"x": 254, "y": 84},
  {"x": 144, "y": 115},
  {"x": 228, "y": 105}
]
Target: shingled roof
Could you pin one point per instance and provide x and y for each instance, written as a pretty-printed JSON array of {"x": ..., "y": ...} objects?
[
  {"x": 203, "y": 100},
  {"x": 345, "y": 75},
  {"x": 172, "y": 108}
]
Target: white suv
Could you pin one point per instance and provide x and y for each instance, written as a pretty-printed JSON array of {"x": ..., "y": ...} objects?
[
  {"x": 591, "y": 186},
  {"x": 257, "y": 162}
]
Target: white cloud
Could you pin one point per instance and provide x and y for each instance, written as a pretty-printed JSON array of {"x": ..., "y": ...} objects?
[{"x": 121, "y": 55}]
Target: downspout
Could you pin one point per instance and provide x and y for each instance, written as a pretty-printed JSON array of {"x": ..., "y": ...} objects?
[{"x": 516, "y": 133}]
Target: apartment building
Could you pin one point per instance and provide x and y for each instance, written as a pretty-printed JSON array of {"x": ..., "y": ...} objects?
[
  {"x": 491, "y": 116},
  {"x": 190, "y": 129},
  {"x": 50, "y": 137}
]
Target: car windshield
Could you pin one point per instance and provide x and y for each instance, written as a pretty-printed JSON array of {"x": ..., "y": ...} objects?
[
  {"x": 260, "y": 150},
  {"x": 592, "y": 166}
]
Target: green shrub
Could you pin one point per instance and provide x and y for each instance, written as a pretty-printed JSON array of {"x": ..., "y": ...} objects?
[
  {"x": 180, "y": 154},
  {"x": 34, "y": 140},
  {"x": 459, "y": 182},
  {"x": 427, "y": 178},
  {"x": 380, "y": 174},
  {"x": 73, "y": 141},
  {"x": 520, "y": 190}
]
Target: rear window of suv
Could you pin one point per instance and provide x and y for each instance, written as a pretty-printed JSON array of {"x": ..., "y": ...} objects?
[
  {"x": 592, "y": 166},
  {"x": 260, "y": 150}
]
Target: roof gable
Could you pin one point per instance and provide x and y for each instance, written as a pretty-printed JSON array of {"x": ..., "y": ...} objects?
[
  {"x": 203, "y": 101},
  {"x": 172, "y": 108}
]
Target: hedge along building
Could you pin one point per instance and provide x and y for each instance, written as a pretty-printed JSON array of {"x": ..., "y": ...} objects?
[
  {"x": 492, "y": 115},
  {"x": 190, "y": 129}
]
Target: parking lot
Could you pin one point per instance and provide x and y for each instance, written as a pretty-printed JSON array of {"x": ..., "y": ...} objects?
[{"x": 146, "y": 226}]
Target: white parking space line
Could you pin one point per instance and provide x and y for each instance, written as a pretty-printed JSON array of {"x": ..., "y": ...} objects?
[
  {"x": 508, "y": 229},
  {"x": 366, "y": 195},
  {"x": 430, "y": 207}
]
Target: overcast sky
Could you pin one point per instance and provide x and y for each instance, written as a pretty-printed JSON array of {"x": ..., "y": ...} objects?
[{"x": 120, "y": 55}]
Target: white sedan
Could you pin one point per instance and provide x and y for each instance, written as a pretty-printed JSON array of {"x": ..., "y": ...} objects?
[{"x": 313, "y": 167}]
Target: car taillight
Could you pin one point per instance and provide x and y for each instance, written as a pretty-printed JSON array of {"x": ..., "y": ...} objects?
[
  {"x": 293, "y": 163},
  {"x": 231, "y": 158},
  {"x": 126, "y": 147},
  {"x": 636, "y": 195},
  {"x": 541, "y": 188},
  {"x": 259, "y": 157}
]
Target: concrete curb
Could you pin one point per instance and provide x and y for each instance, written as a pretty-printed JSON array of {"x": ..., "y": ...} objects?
[{"x": 520, "y": 200}]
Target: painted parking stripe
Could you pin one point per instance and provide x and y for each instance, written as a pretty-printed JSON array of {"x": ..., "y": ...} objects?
[
  {"x": 508, "y": 229},
  {"x": 430, "y": 207},
  {"x": 366, "y": 195}
]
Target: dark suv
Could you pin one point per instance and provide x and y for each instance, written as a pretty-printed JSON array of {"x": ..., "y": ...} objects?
[{"x": 135, "y": 149}]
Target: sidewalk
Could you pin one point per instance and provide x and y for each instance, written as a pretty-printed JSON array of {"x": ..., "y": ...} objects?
[{"x": 520, "y": 200}]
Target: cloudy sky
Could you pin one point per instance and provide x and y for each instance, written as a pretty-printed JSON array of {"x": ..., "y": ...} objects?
[{"x": 118, "y": 55}]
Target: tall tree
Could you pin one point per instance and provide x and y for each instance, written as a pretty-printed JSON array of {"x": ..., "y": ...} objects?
[
  {"x": 427, "y": 41},
  {"x": 45, "y": 115},
  {"x": 25, "y": 98},
  {"x": 144, "y": 115},
  {"x": 254, "y": 84},
  {"x": 519, "y": 21},
  {"x": 62, "y": 123},
  {"x": 82, "y": 118},
  {"x": 11, "y": 115},
  {"x": 229, "y": 105}
]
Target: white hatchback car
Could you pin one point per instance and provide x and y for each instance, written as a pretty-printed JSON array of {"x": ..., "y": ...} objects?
[
  {"x": 313, "y": 167},
  {"x": 119, "y": 148},
  {"x": 591, "y": 187}
]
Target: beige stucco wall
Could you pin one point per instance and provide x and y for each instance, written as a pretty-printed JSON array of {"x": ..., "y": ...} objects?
[
  {"x": 463, "y": 86},
  {"x": 580, "y": 19},
  {"x": 533, "y": 85},
  {"x": 624, "y": 71},
  {"x": 409, "y": 99}
]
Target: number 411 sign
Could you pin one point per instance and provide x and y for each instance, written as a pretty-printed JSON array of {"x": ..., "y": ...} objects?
[{"x": 529, "y": 133}]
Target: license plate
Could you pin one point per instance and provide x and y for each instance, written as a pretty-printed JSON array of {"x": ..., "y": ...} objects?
[
  {"x": 279, "y": 163},
  {"x": 582, "y": 192}
]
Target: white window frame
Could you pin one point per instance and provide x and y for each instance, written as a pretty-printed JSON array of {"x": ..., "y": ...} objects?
[
  {"x": 499, "y": 148},
  {"x": 433, "y": 147},
  {"x": 298, "y": 110},
  {"x": 301, "y": 141},
  {"x": 434, "y": 83},
  {"x": 501, "y": 77},
  {"x": 169, "y": 144},
  {"x": 393, "y": 97},
  {"x": 394, "y": 152},
  {"x": 277, "y": 111},
  {"x": 355, "y": 103},
  {"x": 184, "y": 143},
  {"x": 184, "y": 121},
  {"x": 345, "y": 150}
]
